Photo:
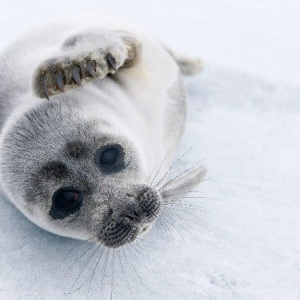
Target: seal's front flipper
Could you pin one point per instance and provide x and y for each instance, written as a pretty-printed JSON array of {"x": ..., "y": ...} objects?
[
  {"x": 85, "y": 57},
  {"x": 183, "y": 184}
]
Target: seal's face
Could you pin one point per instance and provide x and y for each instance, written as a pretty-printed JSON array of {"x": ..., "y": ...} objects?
[{"x": 77, "y": 177}]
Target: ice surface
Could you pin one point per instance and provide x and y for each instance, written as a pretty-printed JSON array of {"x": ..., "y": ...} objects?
[{"x": 246, "y": 128}]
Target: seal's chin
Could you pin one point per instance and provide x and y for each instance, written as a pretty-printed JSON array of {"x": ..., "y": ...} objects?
[
  {"x": 119, "y": 235},
  {"x": 130, "y": 221},
  {"x": 123, "y": 234}
]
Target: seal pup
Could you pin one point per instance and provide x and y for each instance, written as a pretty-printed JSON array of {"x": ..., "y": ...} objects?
[{"x": 92, "y": 162}]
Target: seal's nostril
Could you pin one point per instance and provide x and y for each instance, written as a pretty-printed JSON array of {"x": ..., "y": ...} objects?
[{"x": 132, "y": 215}]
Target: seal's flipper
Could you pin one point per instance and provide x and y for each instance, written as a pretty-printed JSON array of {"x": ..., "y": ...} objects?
[
  {"x": 187, "y": 65},
  {"x": 184, "y": 183},
  {"x": 88, "y": 57}
]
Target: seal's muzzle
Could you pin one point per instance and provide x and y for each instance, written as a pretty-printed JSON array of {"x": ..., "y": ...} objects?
[{"x": 124, "y": 222}]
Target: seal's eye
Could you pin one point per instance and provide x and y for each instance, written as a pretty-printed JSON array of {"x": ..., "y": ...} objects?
[
  {"x": 68, "y": 199},
  {"x": 110, "y": 158}
]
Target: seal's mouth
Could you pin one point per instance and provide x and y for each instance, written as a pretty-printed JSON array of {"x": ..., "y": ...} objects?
[
  {"x": 145, "y": 229},
  {"x": 133, "y": 219}
]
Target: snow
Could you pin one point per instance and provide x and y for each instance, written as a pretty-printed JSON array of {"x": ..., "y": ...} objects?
[{"x": 244, "y": 120}]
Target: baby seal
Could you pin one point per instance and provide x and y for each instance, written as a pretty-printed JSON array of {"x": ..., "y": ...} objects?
[{"x": 92, "y": 162}]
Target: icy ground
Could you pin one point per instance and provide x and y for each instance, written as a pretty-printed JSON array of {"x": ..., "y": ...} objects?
[{"x": 246, "y": 127}]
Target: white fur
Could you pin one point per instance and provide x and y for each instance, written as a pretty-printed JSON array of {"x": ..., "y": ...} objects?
[{"x": 144, "y": 98}]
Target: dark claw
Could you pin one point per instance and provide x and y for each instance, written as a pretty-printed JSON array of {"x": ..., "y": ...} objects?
[
  {"x": 111, "y": 61},
  {"x": 91, "y": 67},
  {"x": 76, "y": 75},
  {"x": 59, "y": 76},
  {"x": 44, "y": 87}
]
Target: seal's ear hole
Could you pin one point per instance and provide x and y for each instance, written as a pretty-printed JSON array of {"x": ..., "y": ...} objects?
[
  {"x": 66, "y": 201},
  {"x": 110, "y": 158}
]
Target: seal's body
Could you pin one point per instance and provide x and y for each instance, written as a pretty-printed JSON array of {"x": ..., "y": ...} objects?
[{"x": 91, "y": 162}]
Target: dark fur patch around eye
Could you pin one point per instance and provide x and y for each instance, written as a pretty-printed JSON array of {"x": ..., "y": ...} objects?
[
  {"x": 77, "y": 149},
  {"x": 54, "y": 169}
]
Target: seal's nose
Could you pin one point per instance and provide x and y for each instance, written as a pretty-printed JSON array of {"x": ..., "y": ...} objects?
[{"x": 132, "y": 213}]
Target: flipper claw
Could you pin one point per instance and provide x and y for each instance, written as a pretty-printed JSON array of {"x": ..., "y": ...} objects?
[
  {"x": 45, "y": 88},
  {"x": 91, "y": 66},
  {"x": 59, "y": 76},
  {"x": 111, "y": 61},
  {"x": 76, "y": 75},
  {"x": 86, "y": 63}
]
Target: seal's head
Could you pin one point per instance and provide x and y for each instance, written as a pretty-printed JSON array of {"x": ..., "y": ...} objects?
[{"x": 76, "y": 176}]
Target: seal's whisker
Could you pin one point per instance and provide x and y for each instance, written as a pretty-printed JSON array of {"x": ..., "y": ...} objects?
[
  {"x": 104, "y": 272},
  {"x": 163, "y": 227},
  {"x": 186, "y": 219},
  {"x": 141, "y": 244},
  {"x": 197, "y": 164},
  {"x": 168, "y": 228},
  {"x": 95, "y": 269},
  {"x": 179, "y": 200},
  {"x": 177, "y": 232},
  {"x": 172, "y": 226},
  {"x": 173, "y": 197},
  {"x": 143, "y": 241},
  {"x": 183, "y": 227},
  {"x": 195, "y": 197},
  {"x": 141, "y": 262},
  {"x": 186, "y": 206},
  {"x": 113, "y": 274},
  {"x": 158, "y": 167},
  {"x": 151, "y": 174},
  {"x": 166, "y": 156},
  {"x": 158, "y": 226},
  {"x": 136, "y": 272},
  {"x": 78, "y": 258},
  {"x": 182, "y": 186},
  {"x": 185, "y": 211},
  {"x": 180, "y": 193},
  {"x": 78, "y": 244},
  {"x": 89, "y": 277},
  {"x": 172, "y": 167},
  {"x": 82, "y": 270},
  {"x": 125, "y": 277},
  {"x": 141, "y": 248},
  {"x": 144, "y": 255}
]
